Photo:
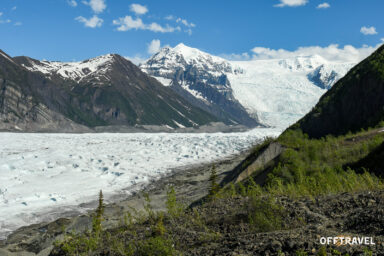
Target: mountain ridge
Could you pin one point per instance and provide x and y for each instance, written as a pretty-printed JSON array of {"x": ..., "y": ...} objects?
[{"x": 118, "y": 93}]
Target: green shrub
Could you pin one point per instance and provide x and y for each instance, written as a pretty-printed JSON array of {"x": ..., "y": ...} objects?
[
  {"x": 265, "y": 214},
  {"x": 156, "y": 246},
  {"x": 301, "y": 253},
  {"x": 174, "y": 209}
]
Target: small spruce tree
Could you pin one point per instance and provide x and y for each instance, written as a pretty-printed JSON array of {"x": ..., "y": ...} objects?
[
  {"x": 214, "y": 187},
  {"x": 96, "y": 227}
]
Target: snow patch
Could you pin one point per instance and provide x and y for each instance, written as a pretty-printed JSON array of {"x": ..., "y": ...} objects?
[
  {"x": 73, "y": 70},
  {"x": 164, "y": 81}
]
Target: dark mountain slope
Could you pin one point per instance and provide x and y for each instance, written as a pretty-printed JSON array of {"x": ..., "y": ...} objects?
[
  {"x": 116, "y": 92},
  {"x": 21, "y": 104},
  {"x": 353, "y": 103}
]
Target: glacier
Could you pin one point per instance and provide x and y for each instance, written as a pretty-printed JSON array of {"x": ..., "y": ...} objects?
[
  {"x": 281, "y": 91},
  {"x": 45, "y": 176},
  {"x": 276, "y": 92}
]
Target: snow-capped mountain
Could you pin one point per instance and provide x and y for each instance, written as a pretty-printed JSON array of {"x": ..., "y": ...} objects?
[
  {"x": 201, "y": 79},
  {"x": 93, "y": 70},
  {"x": 274, "y": 92}
]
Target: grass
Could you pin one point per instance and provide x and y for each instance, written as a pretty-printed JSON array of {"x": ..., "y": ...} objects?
[{"x": 312, "y": 167}]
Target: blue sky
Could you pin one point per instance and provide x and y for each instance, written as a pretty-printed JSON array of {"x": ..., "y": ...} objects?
[{"x": 78, "y": 29}]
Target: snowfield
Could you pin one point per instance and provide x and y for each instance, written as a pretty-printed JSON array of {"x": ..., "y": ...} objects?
[
  {"x": 44, "y": 176},
  {"x": 279, "y": 91}
]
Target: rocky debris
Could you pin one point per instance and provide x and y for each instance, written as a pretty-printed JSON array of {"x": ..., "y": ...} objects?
[
  {"x": 224, "y": 227},
  {"x": 307, "y": 220}
]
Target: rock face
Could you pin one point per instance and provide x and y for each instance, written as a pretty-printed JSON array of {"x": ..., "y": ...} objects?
[
  {"x": 201, "y": 79},
  {"x": 265, "y": 157},
  {"x": 325, "y": 76},
  {"x": 104, "y": 91},
  {"x": 354, "y": 102},
  {"x": 20, "y": 108},
  {"x": 257, "y": 164}
]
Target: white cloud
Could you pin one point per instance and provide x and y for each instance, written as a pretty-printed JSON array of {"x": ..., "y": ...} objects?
[
  {"x": 158, "y": 28},
  {"x": 237, "y": 57},
  {"x": 170, "y": 17},
  {"x": 138, "y": 9},
  {"x": 18, "y": 23},
  {"x": 333, "y": 52},
  {"x": 93, "y": 22},
  {"x": 5, "y": 21},
  {"x": 368, "y": 30},
  {"x": 98, "y": 6},
  {"x": 382, "y": 39},
  {"x": 128, "y": 23},
  {"x": 137, "y": 59},
  {"x": 291, "y": 3},
  {"x": 72, "y": 3},
  {"x": 14, "y": 8},
  {"x": 323, "y": 6},
  {"x": 154, "y": 46},
  {"x": 188, "y": 31},
  {"x": 185, "y": 22}
]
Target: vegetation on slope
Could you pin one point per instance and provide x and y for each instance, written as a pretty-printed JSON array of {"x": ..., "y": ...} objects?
[{"x": 354, "y": 102}]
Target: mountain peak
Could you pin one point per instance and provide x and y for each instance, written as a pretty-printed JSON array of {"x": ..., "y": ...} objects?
[
  {"x": 183, "y": 48},
  {"x": 6, "y": 56},
  {"x": 76, "y": 70},
  {"x": 190, "y": 54}
]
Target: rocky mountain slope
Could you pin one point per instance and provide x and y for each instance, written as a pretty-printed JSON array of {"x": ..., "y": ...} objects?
[
  {"x": 20, "y": 106},
  {"x": 274, "y": 92},
  {"x": 201, "y": 79},
  {"x": 105, "y": 91}
]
